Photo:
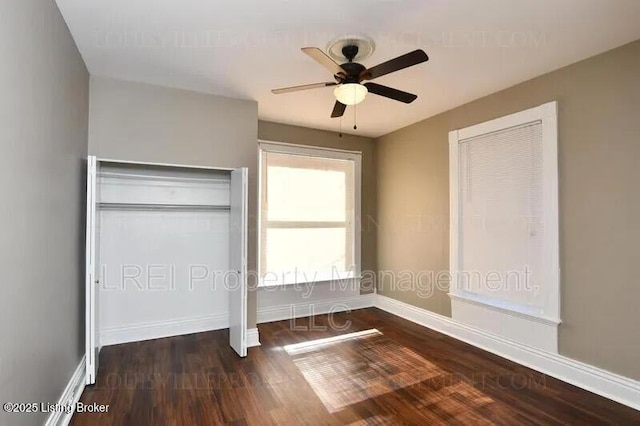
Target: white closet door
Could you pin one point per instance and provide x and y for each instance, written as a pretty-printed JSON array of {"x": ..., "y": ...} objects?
[
  {"x": 92, "y": 345},
  {"x": 237, "y": 279}
]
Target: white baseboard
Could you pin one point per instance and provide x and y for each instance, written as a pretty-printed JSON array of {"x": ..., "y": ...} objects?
[
  {"x": 300, "y": 310},
  {"x": 156, "y": 330},
  {"x": 609, "y": 385},
  {"x": 253, "y": 337},
  {"x": 70, "y": 396}
]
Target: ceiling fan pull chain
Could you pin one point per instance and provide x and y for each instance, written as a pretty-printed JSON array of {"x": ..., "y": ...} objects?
[
  {"x": 355, "y": 127},
  {"x": 340, "y": 134}
]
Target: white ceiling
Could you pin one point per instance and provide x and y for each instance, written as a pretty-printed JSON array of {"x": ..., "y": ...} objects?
[{"x": 244, "y": 48}]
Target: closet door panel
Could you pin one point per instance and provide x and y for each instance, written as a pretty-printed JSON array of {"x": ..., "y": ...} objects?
[
  {"x": 91, "y": 274},
  {"x": 237, "y": 277}
]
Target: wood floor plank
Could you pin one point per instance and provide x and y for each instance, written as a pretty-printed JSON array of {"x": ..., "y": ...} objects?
[{"x": 406, "y": 374}]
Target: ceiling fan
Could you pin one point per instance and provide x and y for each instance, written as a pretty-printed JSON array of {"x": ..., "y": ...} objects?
[{"x": 349, "y": 77}]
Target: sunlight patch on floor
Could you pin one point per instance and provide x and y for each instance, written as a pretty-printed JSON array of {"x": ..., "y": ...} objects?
[
  {"x": 351, "y": 368},
  {"x": 313, "y": 345}
]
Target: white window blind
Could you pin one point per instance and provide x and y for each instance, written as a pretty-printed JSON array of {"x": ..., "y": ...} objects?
[
  {"x": 501, "y": 215},
  {"x": 308, "y": 216}
]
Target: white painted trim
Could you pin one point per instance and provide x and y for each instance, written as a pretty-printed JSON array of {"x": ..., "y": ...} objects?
[
  {"x": 149, "y": 163},
  {"x": 160, "y": 329},
  {"x": 339, "y": 277},
  {"x": 510, "y": 325},
  {"x": 549, "y": 112},
  {"x": 357, "y": 219},
  {"x": 604, "y": 383},
  {"x": 300, "y": 310},
  {"x": 309, "y": 151},
  {"x": 258, "y": 202},
  {"x": 253, "y": 337},
  {"x": 498, "y": 305},
  {"x": 512, "y": 120},
  {"x": 70, "y": 396},
  {"x": 454, "y": 212},
  {"x": 286, "y": 144}
]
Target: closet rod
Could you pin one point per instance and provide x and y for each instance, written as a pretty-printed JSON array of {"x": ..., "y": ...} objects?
[{"x": 170, "y": 207}]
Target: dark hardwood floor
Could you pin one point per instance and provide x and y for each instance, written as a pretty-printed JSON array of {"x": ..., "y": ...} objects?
[{"x": 401, "y": 374}]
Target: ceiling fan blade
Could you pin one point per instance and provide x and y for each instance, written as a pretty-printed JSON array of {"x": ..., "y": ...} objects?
[
  {"x": 323, "y": 59},
  {"x": 303, "y": 87},
  {"x": 338, "y": 109},
  {"x": 391, "y": 93},
  {"x": 407, "y": 60}
]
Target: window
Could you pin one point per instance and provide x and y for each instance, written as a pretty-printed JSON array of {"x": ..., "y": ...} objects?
[
  {"x": 504, "y": 226},
  {"x": 309, "y": 215}
]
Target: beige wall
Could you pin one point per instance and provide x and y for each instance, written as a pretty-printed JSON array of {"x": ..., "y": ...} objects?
[
  {"x": 276, "y": 132},
  {"x": 142, "y": 122},
  {"x": 44, "y": 102},
  {"x": 599, "y": 159},
  {"x": 413, "y": 213}
]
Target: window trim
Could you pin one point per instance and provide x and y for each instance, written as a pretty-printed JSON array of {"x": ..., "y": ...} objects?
[
  {"x": 312, "y": 151},
  {"x": 546, "y": 114}
]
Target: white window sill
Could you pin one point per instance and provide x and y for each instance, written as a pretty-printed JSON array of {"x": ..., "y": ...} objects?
[{"x": 505, "y": 306}]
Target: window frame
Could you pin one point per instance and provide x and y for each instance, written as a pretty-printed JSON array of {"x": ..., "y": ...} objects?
[
  {"x": 311, "y": 151},
  {"x": 546, "y": 114}
]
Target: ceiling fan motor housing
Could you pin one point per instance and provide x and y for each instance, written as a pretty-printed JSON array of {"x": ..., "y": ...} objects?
[{"x": 353, "y": 70}]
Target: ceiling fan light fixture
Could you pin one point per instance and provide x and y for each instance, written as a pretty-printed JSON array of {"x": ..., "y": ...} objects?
[{"x": 350, "y": 93}]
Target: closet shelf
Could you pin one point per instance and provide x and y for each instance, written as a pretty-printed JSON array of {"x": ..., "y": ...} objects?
[
  {"x": 166, "y": 179},
  {"x": 158, "y": 206}
]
